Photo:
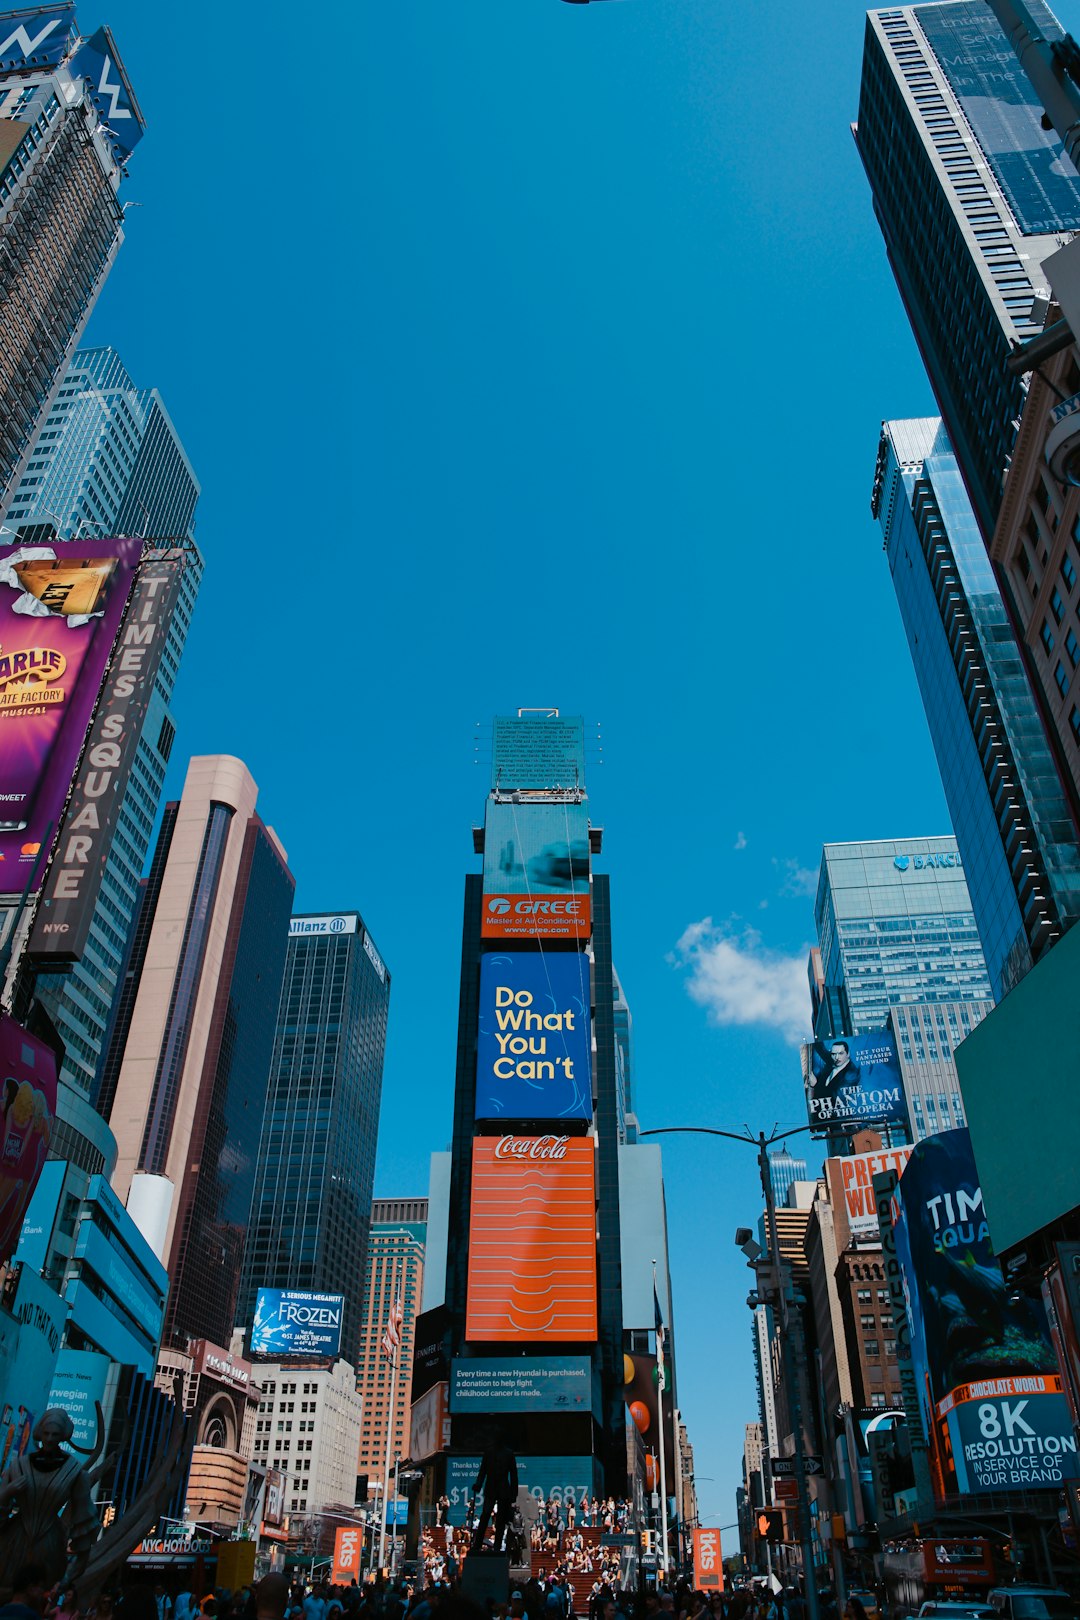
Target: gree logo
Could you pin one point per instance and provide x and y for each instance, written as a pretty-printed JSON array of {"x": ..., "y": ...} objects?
[{"x": 498, "y": 908}]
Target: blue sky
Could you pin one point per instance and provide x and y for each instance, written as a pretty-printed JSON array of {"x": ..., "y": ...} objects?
[{"x": 534, "y": 354}]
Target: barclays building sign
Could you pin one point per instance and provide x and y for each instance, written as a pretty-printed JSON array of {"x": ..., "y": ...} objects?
[{"x": 919, "y": 862}]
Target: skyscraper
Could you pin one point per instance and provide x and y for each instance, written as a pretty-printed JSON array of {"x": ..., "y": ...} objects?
[
  {"x": 184, "y": 1081},
  {"x": 784, "y": 1172},
  {"x": 316, "y": 1165},
  {"x": 61, "y": 163},
  {"x": 895, "y": 926},
  {"x": 971, "y": 194},
  {"x": 394, "y": 1271},
  {"x": 1013, "y": 828},
  {"x": 109, "y": 461}
]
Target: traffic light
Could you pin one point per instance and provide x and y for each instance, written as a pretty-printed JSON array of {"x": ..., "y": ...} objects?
[
  {"x": 647, "y": 1541},
  {"x": 770, "y": 1524}
]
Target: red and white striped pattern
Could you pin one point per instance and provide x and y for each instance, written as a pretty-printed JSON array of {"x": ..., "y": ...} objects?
[{"x": 532, "y": 1245}]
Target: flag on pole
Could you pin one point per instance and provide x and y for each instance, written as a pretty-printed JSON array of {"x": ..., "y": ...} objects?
[
  {"x": 659, "y": 1318},
  {"x": 391, "y": 1339}
]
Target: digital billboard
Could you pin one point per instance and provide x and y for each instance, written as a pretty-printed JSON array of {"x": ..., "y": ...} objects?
[
  {"x": 536, "y": 871},
  {"x": 851, "y": 1189},
  {"x": 852, "y": 1081},
  {"x": 522, "y": 1384},
  {"x": 537, "y": 753},
  {"x": 293, "y": 1323},
  {"x": 563, "y": 1478},
  {"x": 534, "y": 1041},
  {"x": 27, "y": 1114},
  {"x": 988, "y": 1379},
  {"x": 69, "y": 897},
  {"x": 532, "y": 1239},
  {"x": 60, "y": 610}
]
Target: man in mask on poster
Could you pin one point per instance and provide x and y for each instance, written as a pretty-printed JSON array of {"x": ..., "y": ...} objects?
[{"x": 832, "y": 1071}]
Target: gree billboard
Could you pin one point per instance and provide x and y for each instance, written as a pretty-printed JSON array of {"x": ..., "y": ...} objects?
[
  {"x": 536, "y": 871},
  {"x": 532, "y": 1239},
  {"x": 534, "y": 1043},
  {"x": 60, "y": 610},
  {"x": 292, "y": 1323},
  {"x": 852, "y": 1081},
  {"x": 994, "y": 1412}
]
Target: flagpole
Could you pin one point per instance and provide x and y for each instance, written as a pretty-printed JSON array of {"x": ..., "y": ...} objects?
[
  {"x": 386, "y": 1468},
  {"x": 660, "y": 1381}
]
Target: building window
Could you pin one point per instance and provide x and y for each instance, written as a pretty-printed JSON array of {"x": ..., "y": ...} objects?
[
  {"x": 1074, "y": 722},
  {"x": 1068, "y": 571},
  {"x": 1057, "y": 604},
  {"x": 1046, "y": 636},
  {"x": 871, "y": 1347},
  {"x": 1061, "y": 678},
  {"x": 1072, "y": 647}
]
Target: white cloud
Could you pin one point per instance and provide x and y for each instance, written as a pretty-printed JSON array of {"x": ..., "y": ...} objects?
[
  {"x": 739, "y": 981},
  {"x": 740, "y": 841},
  {"x": 795, "y": 880}
]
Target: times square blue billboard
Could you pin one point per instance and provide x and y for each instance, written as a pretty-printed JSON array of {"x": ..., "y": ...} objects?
[
  {"x": 293, "y": 1323},
  {"x": 993, "y": 1407},
  {"x": 534, "y": 1043}
]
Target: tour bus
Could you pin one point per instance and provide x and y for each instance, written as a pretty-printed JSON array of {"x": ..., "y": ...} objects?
[{"x": 918, "y": 1572}]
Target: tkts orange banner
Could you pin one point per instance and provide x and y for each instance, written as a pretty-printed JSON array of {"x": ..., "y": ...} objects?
[
  {"x": 348, "y": 1549},
  {"x": 708, "y": 1561}
]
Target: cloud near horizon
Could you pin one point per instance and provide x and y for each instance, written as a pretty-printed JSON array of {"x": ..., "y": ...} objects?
[{"x": 740, "y": 982}]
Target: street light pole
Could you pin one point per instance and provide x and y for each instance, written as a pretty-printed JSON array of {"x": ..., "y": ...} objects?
[{"x": 791, "y": 1339}]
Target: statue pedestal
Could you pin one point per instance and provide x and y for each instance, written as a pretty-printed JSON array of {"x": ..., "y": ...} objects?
[{"x": 486, "y": 1575}]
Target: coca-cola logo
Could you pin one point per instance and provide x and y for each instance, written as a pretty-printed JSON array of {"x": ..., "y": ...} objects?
[{"x": 531, "y": 1147}]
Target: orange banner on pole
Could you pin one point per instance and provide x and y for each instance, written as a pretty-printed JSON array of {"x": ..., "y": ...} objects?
[
  {"x": 348, "y": 1552},
  {"x": 708, "y": 1561}
]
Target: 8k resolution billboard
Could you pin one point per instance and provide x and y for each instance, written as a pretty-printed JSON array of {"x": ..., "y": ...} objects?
[
  {"x": 290, "y": 1323},
  {"x": 536, "y": 871},
  {"x": 534, "y": 1046},
  {"x": 60, "y": 609},
  {"x": 532, "y": 1239}
]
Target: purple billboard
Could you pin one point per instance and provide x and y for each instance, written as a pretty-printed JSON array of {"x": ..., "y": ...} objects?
[
  {"x": 60, "y": 609},
  {"x": 27, "y": 1112}
]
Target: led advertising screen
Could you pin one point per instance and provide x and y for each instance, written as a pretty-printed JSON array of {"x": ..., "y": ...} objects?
[
  {"x": 852, "y": 1081},
  {"x": 543, "y": 1477},
  {"x": 292, "y": 1323},
  {"x": 534, "y": 1042},
  {"x": 522, "y": 1384},
  {"x": 60, "y": 610},
  {"x": 27, "y": 1114},
  {"x": 532, "y": 1239},
  {"x": 537, "y": 753},
  {"x": 536, "y": 871},
  {"x": 988, "y": 1377}
]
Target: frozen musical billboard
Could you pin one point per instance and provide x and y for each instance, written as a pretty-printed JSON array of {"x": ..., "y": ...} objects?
[
  {"x": 534, "y": 1041},
  {"x": 60, "y": 609},
  {"x": 852, "y": 1081},
  {"x": 532, "y": 1239},
  {"x": 994, "y": 1411},
  {"x": 536, "y": 871}
]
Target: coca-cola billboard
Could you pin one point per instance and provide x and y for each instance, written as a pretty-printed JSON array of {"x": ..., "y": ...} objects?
[{"x": 532, "y": 1240}]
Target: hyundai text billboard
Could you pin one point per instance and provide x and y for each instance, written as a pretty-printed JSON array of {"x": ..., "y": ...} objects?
[
  {"x": 852, "y": 1081},
  {"x": 536, "y": 871},
  {"x": 291, "y": 1323},
  {"x": 534, "y": 1045},
  {"x": 60, "y": 609}
]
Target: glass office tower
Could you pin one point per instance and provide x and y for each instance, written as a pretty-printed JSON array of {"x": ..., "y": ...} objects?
[
  {"x": 109, "y": 461},
  {"x": 895, "y": 926},
  {"x": 971, "y": 194},
  {"x": 311, "y": 1208},
  {"x": 1013, "y": 829}
]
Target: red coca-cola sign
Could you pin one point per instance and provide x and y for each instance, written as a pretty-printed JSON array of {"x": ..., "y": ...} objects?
[{"x": 531, "y": 1147}]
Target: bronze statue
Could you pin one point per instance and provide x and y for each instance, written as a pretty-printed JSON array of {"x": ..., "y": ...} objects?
[{"x": 46, "y": 1508}]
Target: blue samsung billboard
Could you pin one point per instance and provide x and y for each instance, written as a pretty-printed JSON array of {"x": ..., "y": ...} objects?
[
  {"x": 292, "y": 1323},
  {"x": 534, "y": 1045}
]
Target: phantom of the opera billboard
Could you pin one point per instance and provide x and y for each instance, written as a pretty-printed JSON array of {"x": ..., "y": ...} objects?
[
  {"x": 536, "y": 871},
  {"x": 995, "y": 1416},
  {"x": 534, "y": 1045},
  {"x": 852, "y": 1081},
  {"x": 60, "y": 609},
  {"x": 293, "y": 1323},
  {"x": 532, "y": 1239}
]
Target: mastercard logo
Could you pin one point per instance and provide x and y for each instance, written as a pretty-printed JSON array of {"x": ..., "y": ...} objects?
[{"x": 30, "y": 849}]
